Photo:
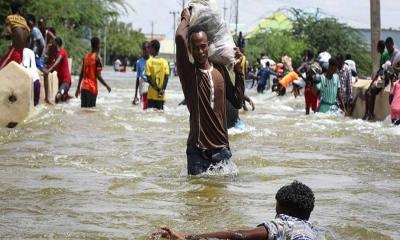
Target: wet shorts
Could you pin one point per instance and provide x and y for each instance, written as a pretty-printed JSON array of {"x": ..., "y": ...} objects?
[
  {"x": 199, "y": 160},
  {"x": 155, "y": 104},
  {"x": 311, "y": 99},
  {"x": 88, "y": 99},
  {"x": 144, "y": 101}
]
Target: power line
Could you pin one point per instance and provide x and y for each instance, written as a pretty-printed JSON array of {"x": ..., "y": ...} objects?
[
  {"x": 152, "y": 30},
  {"x": 174, "y": 27},
  {"x": 237, "y": 17},
  {"x": 225, "y": 9},
  {"x": 105, "y": 45}
]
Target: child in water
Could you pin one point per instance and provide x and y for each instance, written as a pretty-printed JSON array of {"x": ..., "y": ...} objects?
[{"x": 294, "y": 204}]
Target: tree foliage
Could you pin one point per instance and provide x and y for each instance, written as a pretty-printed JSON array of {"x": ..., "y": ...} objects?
[
  {"x": 311, "y": 33},
  {"x": 123, "y": 40},
  {"x": 330, "y": 35},
  {"x": 76, "y": 21},
  {"x": 276, "y": 44}
]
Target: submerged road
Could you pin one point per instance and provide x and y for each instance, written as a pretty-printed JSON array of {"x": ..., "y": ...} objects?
[{"x": 118, "y": 172}]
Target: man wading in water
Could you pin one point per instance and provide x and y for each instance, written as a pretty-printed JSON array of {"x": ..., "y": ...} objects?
[{"x": 206, "y": 88}]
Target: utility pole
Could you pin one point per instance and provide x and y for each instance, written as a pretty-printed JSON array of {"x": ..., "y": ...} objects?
[
  {"x": 152, "y": 30},
  {"x": 375, "y": 32},
  {"x": 105, "y": 46},
  {"x": 183, "y": 4},
  {"x": 237, "y": 16},
  {"x": 225, "y": 9},
  {"x": 174, "y": 29}
]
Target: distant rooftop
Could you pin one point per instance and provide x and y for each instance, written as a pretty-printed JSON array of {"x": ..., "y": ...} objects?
[{"x": 158, "y": 37}]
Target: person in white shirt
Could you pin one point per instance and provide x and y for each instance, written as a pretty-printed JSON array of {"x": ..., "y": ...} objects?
[
  {"x": 29, "y": 62},
  {"x": 352, "y": 65}
]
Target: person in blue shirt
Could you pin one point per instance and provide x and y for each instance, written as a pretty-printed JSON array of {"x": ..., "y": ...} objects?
[
  {"x": 264, "y": 78},
  {"x": 141, "y": 81}
]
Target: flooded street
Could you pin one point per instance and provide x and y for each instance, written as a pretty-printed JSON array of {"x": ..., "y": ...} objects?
[{"x": 118, "y": 172}]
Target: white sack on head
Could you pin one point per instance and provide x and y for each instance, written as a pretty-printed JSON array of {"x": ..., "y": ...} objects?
[{"x": 205, "y": 14}]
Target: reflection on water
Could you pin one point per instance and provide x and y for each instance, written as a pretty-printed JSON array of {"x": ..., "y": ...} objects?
[{"x": 119, "y": 172}]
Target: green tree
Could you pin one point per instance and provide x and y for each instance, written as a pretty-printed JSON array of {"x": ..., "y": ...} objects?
[
  {"x": 311, "y": 33},
  {"x": 123, "y": 41},
  {"x": 73, "y": 20},
  {"x": 276, "y": 44},
  {"x": 330, "y": 35}
]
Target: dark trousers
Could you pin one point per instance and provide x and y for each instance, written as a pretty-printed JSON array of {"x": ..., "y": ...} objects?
[
  {"x": 261, "y": 85},
  {"x": 155, "y": 104},
  {"x": 36, "y": 92},
  {"x": 88, "y": 99},
  {"x": 199, "y": 160}
]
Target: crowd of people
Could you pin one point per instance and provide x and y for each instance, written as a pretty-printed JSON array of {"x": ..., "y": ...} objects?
[
  {"x": 209, "y": 91},
  {"x": 38, "y": 48},
  {"x": 327, "y": 81}
]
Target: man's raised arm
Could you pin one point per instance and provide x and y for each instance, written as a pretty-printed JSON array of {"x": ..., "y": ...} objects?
[
  {"x": 235, "y": 94},
  {"x": 182, "y": 56}
]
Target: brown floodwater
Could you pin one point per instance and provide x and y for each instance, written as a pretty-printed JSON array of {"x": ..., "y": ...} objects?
[{"x": 120, "y": 173}]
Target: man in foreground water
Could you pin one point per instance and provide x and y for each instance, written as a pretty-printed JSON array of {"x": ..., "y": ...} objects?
[{"x": 206, "y": 88}]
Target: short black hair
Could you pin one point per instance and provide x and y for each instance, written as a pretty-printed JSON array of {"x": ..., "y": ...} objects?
[
  {"x": 58, "y": 41},
  {"x": 156, "y": 45},
  {"x": 297, "y": 198},
  {"x": 196, "y": 29},
  {"x": 339, "y": 57},
  {"x": 145, "y": 44},
  {"x": 309, "y": 53},
  {"x": 52, "y": 30},
  {"x": 95, "y": 42},
  {"x": 16, "y": 7},
  {"x": 389, "y": 40},
  {"x": 267, "y": 64},
  {"x": 333, "y": 62},
  {"x": 381, "y": 44},
  {"x": 31, "y": 18},
  {"x": 41, "y": 19},
  {"x": 348, "y": 56}
]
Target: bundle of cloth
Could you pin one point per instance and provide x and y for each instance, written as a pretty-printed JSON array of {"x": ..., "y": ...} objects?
[{"x": 205, "y": 13}]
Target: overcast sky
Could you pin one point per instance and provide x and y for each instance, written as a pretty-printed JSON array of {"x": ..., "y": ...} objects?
[{"x": 353, "y": 12}]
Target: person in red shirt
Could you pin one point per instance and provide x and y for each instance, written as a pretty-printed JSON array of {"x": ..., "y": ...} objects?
[
  {"x": 63, "y": 74},
  {"x": 91, "y": 71}
]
